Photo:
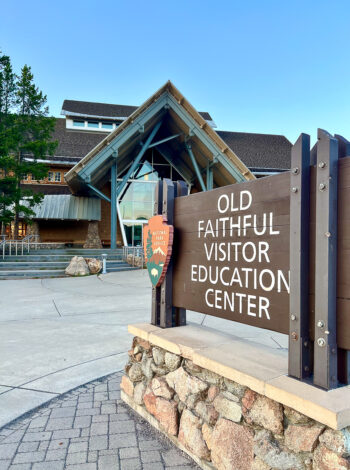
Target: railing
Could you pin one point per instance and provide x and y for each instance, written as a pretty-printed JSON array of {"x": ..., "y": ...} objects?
[
  {"x": 16, "y": 247},
  {"x": 134, "y": 256}
]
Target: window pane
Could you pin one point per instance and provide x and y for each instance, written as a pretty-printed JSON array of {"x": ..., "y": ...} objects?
[
  {"x": 143, "y": 210},
  {"x": 107, "y": 125},
  {"x": 127, "y": 210},
  {"x": 50, "y": 176},
  {"x": 57, "y": 176},
  {"x": 93, "y": 124},
  {"x": 77, "y": 123}
]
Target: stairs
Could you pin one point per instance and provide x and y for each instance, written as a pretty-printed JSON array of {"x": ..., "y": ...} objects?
[{"x": 52, "y": 263}]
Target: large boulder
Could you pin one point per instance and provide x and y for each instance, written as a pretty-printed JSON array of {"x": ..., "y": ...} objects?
[
  {"x": 77, "y": 267},
  {"x": 94, "y": 265}
]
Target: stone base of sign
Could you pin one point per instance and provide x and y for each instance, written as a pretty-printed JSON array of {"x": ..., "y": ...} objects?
[{"x": 229, "y": 404}]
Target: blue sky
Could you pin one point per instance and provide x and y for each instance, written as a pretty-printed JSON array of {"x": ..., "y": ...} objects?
[{"x": 280, "y": 67}]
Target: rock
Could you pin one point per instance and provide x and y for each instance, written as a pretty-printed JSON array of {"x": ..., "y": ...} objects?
[
  {"x": 207, "y": 412},
  {"x": 158, "y": 370},
  {"x": 258, "y": 464},
  {"x": 163, "y": 410},
  {"x": 294, "y": 417},
  {"x": 266, "y": 413},
  {"x": 235, "y": 388},
  {"x": 161, "y": 389},
  {"x": 138, "y": 357},
  {"x": 248, "y": 400},
  {"x": 149, "y": 400},
  {"x": 94, "y": 265},
  {"x": 337, "y": 441},
  {"x": 213, "y": 392},
  {"x": 143, "y": 343},
  {"x": 228, "y": 409},
  {"x": 325, "y": 459},
  {"x": 268, "y": 450},
  {"x": 191, "y": 367},
  {"x": 184, "y": 384},
  {"x": 158, "y": 356},
  {"x": 192, "y": 400},
  {"x": 207, "y": 432},
  {"x": 190, "y": 435},
  {"x": 231, "y": 446},
  {"x": 135, "y": 373},
  {"x": 139, "y": 391},
  {"x": 302, "y": 438},
  {"x": 127, "y": 386},
  {"x": 77, "y": 267},
  {"x": 146, "y": 366},
  {"x": 172, "y": 361}
]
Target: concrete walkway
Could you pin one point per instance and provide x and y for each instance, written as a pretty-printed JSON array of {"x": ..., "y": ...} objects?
[{"x": 56, "y": 334}]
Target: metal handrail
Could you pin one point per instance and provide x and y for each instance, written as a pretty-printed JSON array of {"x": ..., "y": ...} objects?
[{"x": 3, "y": 245}]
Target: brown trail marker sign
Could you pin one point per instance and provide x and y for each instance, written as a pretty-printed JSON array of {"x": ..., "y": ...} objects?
[{"x": 264, "y": 253}]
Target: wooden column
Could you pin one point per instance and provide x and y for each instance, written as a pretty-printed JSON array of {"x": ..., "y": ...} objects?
[
  {"x": 325, "y": 345},
  {"x": 299, "y": 363}
]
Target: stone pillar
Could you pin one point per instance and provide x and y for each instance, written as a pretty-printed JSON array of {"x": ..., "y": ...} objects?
[
  {"x": 93, "y": 238},
  {"x": 34, "y": 229}
]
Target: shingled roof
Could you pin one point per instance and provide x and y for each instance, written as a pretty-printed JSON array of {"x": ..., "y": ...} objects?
[
  {"x": 259, "y": 151},
  {"x": 104, "y": 110}
]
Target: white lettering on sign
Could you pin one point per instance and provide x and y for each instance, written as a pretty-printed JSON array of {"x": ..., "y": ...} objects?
[{"x": 228, "y": 272}]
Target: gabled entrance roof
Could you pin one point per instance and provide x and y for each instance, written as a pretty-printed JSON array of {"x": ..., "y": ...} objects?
[{"x": 181, "y": 136}]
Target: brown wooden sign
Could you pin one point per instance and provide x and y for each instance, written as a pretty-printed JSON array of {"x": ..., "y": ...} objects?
[{"x": 232, "y": 248}]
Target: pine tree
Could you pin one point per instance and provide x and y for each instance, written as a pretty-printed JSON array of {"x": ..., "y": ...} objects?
[
  {"x": 25, "y": 134},
  {"x": 149, "y": 249}
]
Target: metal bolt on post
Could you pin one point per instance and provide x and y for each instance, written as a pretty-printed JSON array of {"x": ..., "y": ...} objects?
[{"x": 104, "y": 263}]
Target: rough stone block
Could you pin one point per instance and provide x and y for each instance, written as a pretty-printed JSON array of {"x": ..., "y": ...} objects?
[
  {"x": 184, "y": 384},
  {"x": 266, "y": 413},
  {"x": 161, "y": 389},
  {"x": 302, "y": 438},
  {"x": 172, "y": 361},
  {"x": 228, "y": 409},
  {"x": 337, "y": 441},
  {"x": 135, "y": 373},
  {"x": 325, "y": 459},
  {"x": 139, "y": 391},
  {"x": 190, "y": 435},
  {"x": 232, "y": 446}
]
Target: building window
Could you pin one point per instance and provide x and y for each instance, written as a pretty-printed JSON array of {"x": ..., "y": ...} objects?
[
  {"x": 107, "y": 125},
  {"x": 93, "y": 124},
  {"x": 57, "y": 176},
  {"x": 78, "y": 123},
  {"x": 50, "y": 176},
  {"x": 22, "y": 229},
  {"x": 25, "y": 177}
]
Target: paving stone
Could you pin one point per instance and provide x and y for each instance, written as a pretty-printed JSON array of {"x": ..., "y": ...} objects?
[
  {"x": 174, "y": 457},
  {"x": 59, "y": 454},
  {"x": 99, "y": 429},
  {"x": 119, "y": 417},
  {"x": 28, "y": 446},
  {"x": 108, "y": 409},
  {"x": 54, "y": 465},
  {"x": 150, "y": 456},
  {"x": 29, "y": 457},
  {"x": 43, "y": 445},
  {"x": 20, "y": 466},
  {"x": 63, "y": 412},
  {"x": 121, "y": 427},
  {"x": 82, "y": 422},
  {"x": 92, "y": 456},
  {"x": 153, "y": 466},
  {"x": 98, "y": 443},
  {"x": 76, "y": 457},
  {"x": 87, "y": 412},
  {"x": 58, "y": 444},
  {"x": 77, "y": 447},
  {"x": 59, "y": 423},
  {"x": 66, "y": 433},
  {"x": 108, "y": 462},
  {"x": 38, "y": 422},
  {"x": 14, "y": 437},
  {"x": 7, "y": 451},
  {"x": 130, "y": 464},
  {"x": 150, "y": 445},
  {"x": 37, "y": 436},
  {"x": 84, "y": 466},
  {"x": 122, "y": 440},
  {"x": 100, "y": 418},
  {"x": 129, "y": 452}
]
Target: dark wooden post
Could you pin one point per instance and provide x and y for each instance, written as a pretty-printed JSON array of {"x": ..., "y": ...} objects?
[
  {"x": 158, "y": 206},
  {"x": 343, "y": 355},
  {"x": 181, "y": 189},
  {"x": 299, "y": 363},
  {"x": 325, "y": 345},
  {"x": 166, "y": 292}
]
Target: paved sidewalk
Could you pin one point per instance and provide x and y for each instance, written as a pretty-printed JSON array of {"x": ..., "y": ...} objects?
[{"x": 88, "y": 428}]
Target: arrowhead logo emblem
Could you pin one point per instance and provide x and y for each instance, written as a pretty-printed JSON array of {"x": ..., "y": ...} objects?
[{"x": 158, "y": 244}]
